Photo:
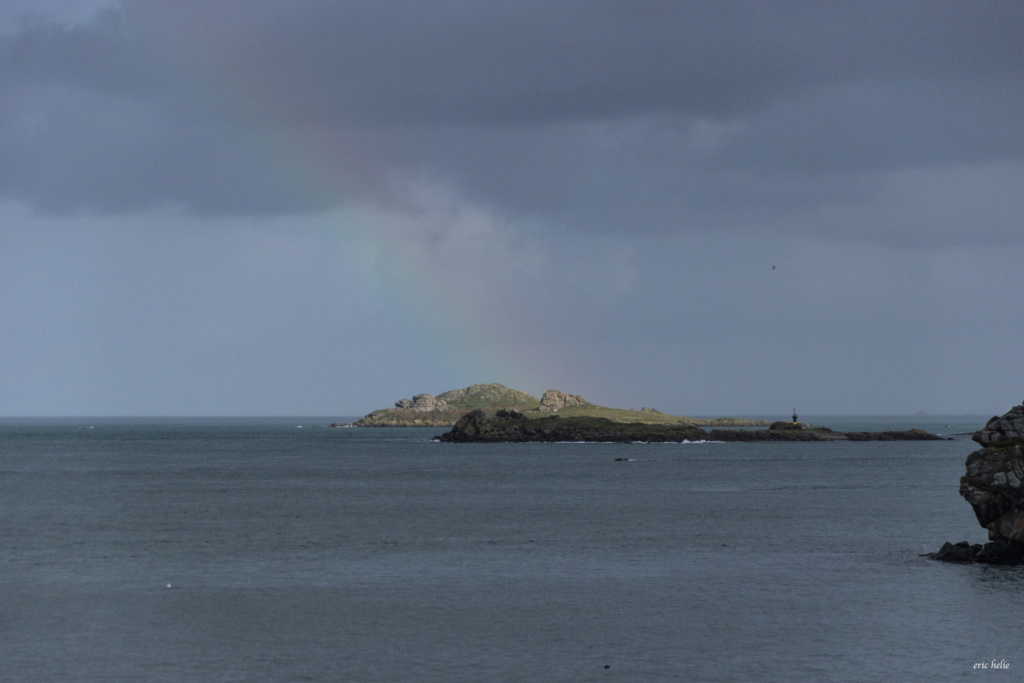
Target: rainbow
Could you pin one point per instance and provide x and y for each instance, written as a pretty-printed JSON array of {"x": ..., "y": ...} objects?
[{"x": 475, "y": 334}]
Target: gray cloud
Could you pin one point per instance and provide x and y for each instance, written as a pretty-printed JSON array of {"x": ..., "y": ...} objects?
[
  {"x": 607, "y": 115},
  {"x": 533, "y": 62},
  {"x": 261, "y": 206}
]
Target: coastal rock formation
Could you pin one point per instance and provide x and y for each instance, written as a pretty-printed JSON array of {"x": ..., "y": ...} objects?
[
  {"x": 994, "y": 487},
  {"x": 817, "y": 434},
  {"x": 553, "y": 399},
  {"x": 421, "y": 403},
  {"x": 1006, "y": 429},
  {"x": 514, "y": 427}
]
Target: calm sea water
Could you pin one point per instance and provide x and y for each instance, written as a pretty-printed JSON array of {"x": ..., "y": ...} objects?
[{"x": 246, "y": 551}]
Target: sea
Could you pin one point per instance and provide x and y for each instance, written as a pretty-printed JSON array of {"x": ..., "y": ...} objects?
[{"x": 286, "y": 550}]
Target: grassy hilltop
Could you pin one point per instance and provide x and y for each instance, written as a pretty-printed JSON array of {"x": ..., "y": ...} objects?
[
  {"x": 628, "y": 415},
  {"x": 444, "y": 410},
  {"x": 486, "y": 395}
]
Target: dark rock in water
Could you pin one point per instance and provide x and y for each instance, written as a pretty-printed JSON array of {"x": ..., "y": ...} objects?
[
  {"x": 1000, "y": 552},
  {"x": 994, "y": 486},
  {"x": 817, "y": 434},
  {"x": 993, "y": 552},
  {"x": 514, "y": 427},
  {"x": 958, "y": 552},
  {"x": 781, "y": 425}
]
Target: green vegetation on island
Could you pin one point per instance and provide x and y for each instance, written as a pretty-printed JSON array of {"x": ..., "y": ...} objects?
[{"x": 444, "y": 410}]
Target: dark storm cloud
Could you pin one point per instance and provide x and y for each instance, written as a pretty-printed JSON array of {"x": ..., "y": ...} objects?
[
  {"x": 620, "y": 177},
  {"x": 531, "y": 63},
  {"x": 660, "y": 113}
]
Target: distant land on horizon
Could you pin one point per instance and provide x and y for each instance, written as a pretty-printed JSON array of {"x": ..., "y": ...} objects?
[
  {"x": 444, "y": 410},
  {"x": 757, "y": 419}
]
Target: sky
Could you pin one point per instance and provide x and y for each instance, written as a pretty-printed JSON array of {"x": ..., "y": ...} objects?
[{"x": 276, "y": 207}]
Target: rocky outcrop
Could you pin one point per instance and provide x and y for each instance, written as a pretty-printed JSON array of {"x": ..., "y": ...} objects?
[
  {"x": 1008, "y": 429},
  {"x": 421, "y": 403},
  {"x": 553, "y": 400},
  {"x": 514, "y": 427},
  {"x": 994, "y": 487}
]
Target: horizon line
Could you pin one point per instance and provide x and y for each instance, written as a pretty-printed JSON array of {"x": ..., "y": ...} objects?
[{"x": 282, "y": 416}]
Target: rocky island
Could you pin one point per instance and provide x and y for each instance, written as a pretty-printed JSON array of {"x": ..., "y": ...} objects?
[
  {"x": 512, "y": 426},
  {"x": 994, "y": 487},
  {"x": 444, "y": 410}
]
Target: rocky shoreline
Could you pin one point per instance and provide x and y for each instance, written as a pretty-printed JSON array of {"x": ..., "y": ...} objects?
[
  {"x": 994, "y": 487},
  {"x": 510, "y": 426}
]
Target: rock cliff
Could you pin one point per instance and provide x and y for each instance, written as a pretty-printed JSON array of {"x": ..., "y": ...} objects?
[
  {"x": 553, "y": 400},
  {"x": 994, "y": 487}
]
